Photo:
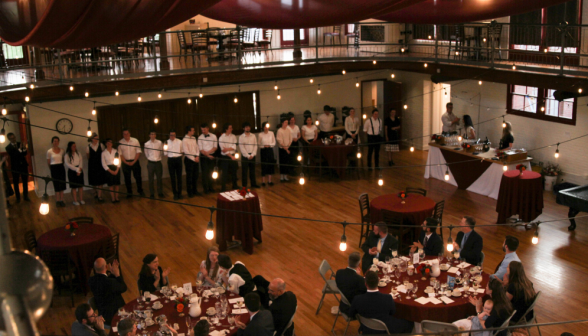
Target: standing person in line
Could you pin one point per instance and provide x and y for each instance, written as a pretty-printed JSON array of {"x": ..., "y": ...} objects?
[
  {"x": 449, "y": 120},
  {"x": 309, "y": 135},
  {"x": 392, "y": 125},
  {"x": 130, "y": 150},
  {"x": 227, "y": 142},
  {"x": 295, "y": 131},
  {"x": 112, "y": 170},
  {"x": 96, "y": 174},
  {"x": 248, "y": 148},
  {"x": 470, "y": 131},
  {"x": 153, "y": 153},
  {"x": 174, "y": 163},
  {"x": 373, "y": 128},
  {"x": 507, "y": 140},
  {"x": 352, "y": 126},
  {"x": 20, "y": 167},
  {"x": 284, "y": 138},
  {"x": 267, "y": 141},
  {"x": 191, "y": 161},
  {"x": 55, "y": 163},
  {"x": 326, "y": 121},
  {"x": 75, "y": 173},
  {"x": 208, "y": 145}
]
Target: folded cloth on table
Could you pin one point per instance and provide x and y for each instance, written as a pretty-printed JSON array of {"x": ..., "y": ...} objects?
[
  {"x": 401, "y": 289},
  {"x": 218, "y": 332},
  {"x": 234, "y": 300},
  {"x": 153, "y": 297},
  {"x": 239, "y": 311}
]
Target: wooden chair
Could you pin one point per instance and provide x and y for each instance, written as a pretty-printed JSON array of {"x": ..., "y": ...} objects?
[
  {"x": 353, "y": 35},
  {"x": 523, "y": 320},
  {"x": 82, "y": 220},
  {"x": 62, "y": 270},
  {"x": 505, "y": 324},
  {"x": 392, "y": 218},
  {"x": 373, "y": 324},
  {"x": 184, "y": 47},
  {"x": 438, "y": 215},
  {"x": 345, "y": 316},
  {"x": 110, "y": 248},
  {"x": 30, "y": 241},
  {"x": 330, "y": 286},
  {"x": 335, "y": 33},
  {"x": 419, "y": 191},
  {"x": 200, "y": 44},
  {"x": 266, "y": 42},
  {"x": 458, "y": 39},
  {"x": 365, "y": 215},
  {"x": 440, "y": 327}
]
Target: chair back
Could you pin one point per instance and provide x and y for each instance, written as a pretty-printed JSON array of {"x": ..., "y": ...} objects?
[
  {"x": 434, "y": 326},
  {"x": 111, "y": 248},
  {"x": 324, "y": 268},
  {"x": 438, "y": 214},
  {"x": 420, "y": 191},
  {"x": 82, "y": 220},
  {"x": 268, "y": 35},
  {"x": 30, "y": 240},
  {"x": 199, "y": 39},
  {"x": 373, "y": 324},
  {"x": 364, "y": 207},
  {"x": 289, "y": 322},
  {"x": 182, "y": 39},
  {"x": 505, "y": 324},
  {"x": 494, "y": 31},
  {"x": 337, "y": 29},
  {"x": 531, "y": 307}
]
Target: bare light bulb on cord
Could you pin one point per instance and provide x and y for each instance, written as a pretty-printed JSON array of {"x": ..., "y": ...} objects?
[
  {"x": 2, "y": 136},
  {"x": 215, "y": 173},
  {"x": 343, "y": 244},
  {"x": 44, "y": 208},
  {"x": 301, "y": 180},
  {"x": 165, "y": 147},
  {"x": 446, "y": 174},
  {"x": 535, "y": 239},
  {"x": 504, "y": 167},
  {"x": 209, "y": 231},
  {"x": 4, "y": 110},
  {"x": 116, "y": 160},
  {"x": 449, "y": 244},
  {"x": 380, "y": 180},
  {"x": 299, "y": 157},
  {"x": 156, "y": 120}
]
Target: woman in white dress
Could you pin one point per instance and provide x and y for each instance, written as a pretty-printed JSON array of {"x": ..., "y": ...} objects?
[{"x": 352, "y": 125}]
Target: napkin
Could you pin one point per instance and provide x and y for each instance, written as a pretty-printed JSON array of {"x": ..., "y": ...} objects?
[
  {"x": 236, "y": 307},
  {"x": 452, "y": 270},
  {"x": 218, "y": 332},
  {"x": 446, "y": 299},
  {"x": 464, "y": 265},
  {"x": 405, "y": 258},
  {"x": 401, "y": 289},
  {"x": 434, "y": 300},
  {"x": 153, "y": 297},
  {"x": 422, "y": 300},
  {"x": 236, "y": 300},
  {"x": 381, "y": 264},
  {"x": 114, "y": 329},
  {"x": 480, "y": 290},
  {"x": 239, "y": 311}
]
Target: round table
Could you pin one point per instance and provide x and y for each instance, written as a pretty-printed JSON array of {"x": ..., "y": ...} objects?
[
  {"x": 335, "y": 154},
  {"x": 169, "y": 310},
  {"x": 83, "y": 248},
  {"x": 520, "y": 193},
  {"x": 235, "y": 223},
  {"x": 410, "y": 310},
  {"x": 415, "y": 208}
]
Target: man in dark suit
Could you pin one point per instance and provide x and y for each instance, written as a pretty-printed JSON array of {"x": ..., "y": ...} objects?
[
  {"x": 19, "y": 166},
  {"x": 429, "y": 240},
  {"x": 87, "y": 322},
  {"x": 378, "y": 245},
  {"x": 379, "y": 306},
  {"x": 349, "y": 281},
  {"x": 468, "y": 242},
  {"x": 283, "y": 306},
  {"x": 261, "y": 322},
  {"x": 107, "y": 289}
]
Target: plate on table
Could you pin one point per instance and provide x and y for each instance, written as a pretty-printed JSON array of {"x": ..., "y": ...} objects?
[
  {"x": 474, "y": 270},
  {"x": 382, "y": 284},
  {"x": 444, "y": 267},
  {"x": 457, "y": 148},
  {"x": 456, "y": 294}
]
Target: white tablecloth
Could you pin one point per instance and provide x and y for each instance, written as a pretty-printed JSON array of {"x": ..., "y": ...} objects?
[{"x": 488, "y": 184}]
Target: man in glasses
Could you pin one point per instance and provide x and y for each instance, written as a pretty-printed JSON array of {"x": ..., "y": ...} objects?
[{"x": 87, "y": 323}]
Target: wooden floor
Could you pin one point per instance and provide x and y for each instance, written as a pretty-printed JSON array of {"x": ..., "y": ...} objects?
[{"x": 293, "y": 249}]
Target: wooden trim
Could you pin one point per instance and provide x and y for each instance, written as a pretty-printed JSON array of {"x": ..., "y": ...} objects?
[{"x": 539, "y": 115}]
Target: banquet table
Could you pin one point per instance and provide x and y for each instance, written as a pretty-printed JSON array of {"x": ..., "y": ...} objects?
[
  {"x": 336, "y": 155},
  {"x": 416, "y": 208},
  {"x": 232, "y": 222},
  {"x": 411, "y": 310},
  {"x": 172, "y": 315},
  {"x": 479, "y": 173},
  {"x": 83, "y": 248},
  {"x": 520, "y": 194}
]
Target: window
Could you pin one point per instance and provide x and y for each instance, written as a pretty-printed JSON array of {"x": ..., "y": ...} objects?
[{"x": 539, "y": 103}]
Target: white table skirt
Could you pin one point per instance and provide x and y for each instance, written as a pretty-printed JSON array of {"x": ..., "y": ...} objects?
[{"x": 488, "y": 184}]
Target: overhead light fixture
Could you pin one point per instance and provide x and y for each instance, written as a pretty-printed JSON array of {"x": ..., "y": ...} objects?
[
  {"x": 89, "y": 132},
  {"x": 3, "y": 135},
  {"x": 319, "y": 89},
  {"x": 364, "y": 116},
  {"x": 311, "y": 81},
  {"x": 449, "y": 243},
  {"x": 343, "y": 72},
  {"x": 116, "y": 93},
  {"x": 156, "y": 120},
  {"x": 71, "y": 88},
  {"x": 425, "y": 65},
  {"x": 356, "y": 82},
  {"x": 504, "y": 167},
  {"x": 279, "y": 96},
  {"x": 392, "y": 75},
  {"x": 358, "y": 152},
  {"x": 165, "y": 146},
  {"x": 27, "y": 99},
  {"x": 446, "y": 173},
  {"x": 514, "y": 67},
  {"x": 215, "y": 173},
  {"x": 405, "y": 106},
  {"x": 374, "y": 61},
  {"x": 380, "y": 180},
  {"x": 557, "y": 151},
  {"x": 94, "y": 109},
  {"x": 479, "y": 82},
  {"x": 276, "y": 86},
  {"x": 580, "y": 90},
  {"x": 301, "y": 179},
  {"x": 159, "y": 95},
  {"x": 86, "y": 94},
  {"x": 139, "y": 97},
  {"x": 44, "y": 208},
  {"x": 32, "y": 86},
  {"x": 116, "y": 160},
  {"x": 343, "y": 243}
]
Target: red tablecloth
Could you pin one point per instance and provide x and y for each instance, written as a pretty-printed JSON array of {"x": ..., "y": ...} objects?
[
  {"x": 415, "y": 208},
  {"x": 242, "y": 226},
  {"x": 169, "y": 310},
  {"x": 413, "y": 311},
  {"x": 336, "y": 155},
  {"x": 522, "y": 195},
  {"x": 83, "y": 248}
]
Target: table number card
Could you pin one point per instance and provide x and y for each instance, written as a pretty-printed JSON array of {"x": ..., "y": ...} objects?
[
  {"x": 187, "y": 288},
  {"x": 415, "y": 259}
]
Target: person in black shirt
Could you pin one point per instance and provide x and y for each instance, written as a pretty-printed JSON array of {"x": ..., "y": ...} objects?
[
  {"x": 283, "y": 306},
  {"x": 152, "y": 277},
  {"x": 107, "y": 289},
  {"x": 507, "y": 137},
  {"x": 349, "y": 281},
  {"x": 502, "y": 307},
  {"x": 429, "y": 240},
  {"x": 391, "y": 126},
  {"x": 519, "y": 290},
  {"x": 19, "y": 166}
]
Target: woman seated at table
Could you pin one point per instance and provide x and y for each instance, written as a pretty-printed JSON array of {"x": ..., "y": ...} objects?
[
  {"x": 507, "y": 138},
  {"x": 352, "y": 125},
  {"x": 209, "y": 269},
  {"x": 309, "y": 135},
  {"x": 152, "y": 277},
  {"x": 519, "y": 290},
  {"x": 470, "y": 132}
]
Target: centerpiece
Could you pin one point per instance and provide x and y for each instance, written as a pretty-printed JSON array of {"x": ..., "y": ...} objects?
[
  {"x": 551, "y": 172},
  {"x": 244, "y": 191},
  {"x": 181, "y": 303},
  {"x": 72, "y": 227},
  {"x": 402, "y": 196},
  {"x": 521, "y": 168},
  {"x": 425, "y": 270}
]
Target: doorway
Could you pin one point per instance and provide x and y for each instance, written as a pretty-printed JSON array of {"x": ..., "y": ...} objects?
[
  {"x": 287, "y": 37},
  {"x": 383, "y": 95},
  {"x": 16, "y": 123}
]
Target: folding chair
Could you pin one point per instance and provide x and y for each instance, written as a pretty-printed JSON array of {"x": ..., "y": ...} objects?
[
  {"x": 434, "y": 326},
  {"x": 523, "y": 320},
  {"x": 373, "y": 324},
  {"x": 330, "y": 285},
  {"x": 345, "y": 316},
  {"x": 505, "y": 324},
  {"x": 364, "y": 208}
]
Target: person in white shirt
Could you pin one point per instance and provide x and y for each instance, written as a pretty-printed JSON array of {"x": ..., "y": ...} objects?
[
  {"x": 449, "y": 120},
  {"x": 112, "y": 170},
  {"x": 153, "y": 153},
  {"x": 130, "y": 151},
  {"x": 55, "y": 162},
  {"x": 227, "y": 143},
  {"x": 295, "y": 131},
  {"x": 191, "y": 161},
  {"x": 284, "y": 138},
  {"x": 174, "y": 163},
  {"x": 352, "y": 125},
  {"x": 267, "y": 142},
  {"x": 75, "y": 173},
  {"x": 96, "y": 174},
  {"x": 373, "y": 128},
  {"x": 309, "y": 135},
  {"x": 248, "y": 149},
  {"x": 208, "y": 145},
  {"x": 326, "y": 121}
]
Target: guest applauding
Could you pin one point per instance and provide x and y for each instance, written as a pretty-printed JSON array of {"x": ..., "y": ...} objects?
[
  {"x": 349, "y": 281},
  {"x": 509, "y": 247},
  {"x": 429, "y": 240},
  {"x": 55, "y": 162},
  {"x": 75, "y": 173},
  {"x": 130, "y": 151},
  {"x": 209, "y": 268},
  {"x": 267, "y": 142},
  {"x": 227, "y": 142},
  {"x": 96, "y": 174},
  {"x": 174, "y": 163},
  {"x": 379, "y": 244},
  {"x": 202, "y": 328},
  {"x": 191, "y": 161},
  {"x": 153, "y": 153},
  {"x": 283, "y": 306},
  {"x": 284, "y": 138},
  {"x": 112, "y": 170},
  {"x": 352, "y": 125},
  {"x": 237, "y": 278},
  {"x": 208, "y": 145},
  {"x": 519, "y": 291},
  {"x": 501, "y": 310},
  {"x": 248, "y": 148},
  {"x": 87, "y": 323},
  {"x": 107, "y": 289},
  {"x": 152, "y": 277},
  {"x": 379, "y": 306},
  {"x": 468, "y": 242},
  {"x": 260, "y": 321}
]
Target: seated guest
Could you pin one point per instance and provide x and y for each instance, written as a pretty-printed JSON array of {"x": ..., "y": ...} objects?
[
  {"x": 283, "y": 306},
  {"x": 379, "y": 306},
  {"x": 501, "y": 310},
  {"x": 379, "y": 244},
  {"x": 209, "y": 269},
  {"x": 429, "y": 240},
  {"x": 261, "y": 322},
  {"x": 475, "y": 322},
  {"x": 468, "y": 242},
  {"x": 87, "y": 322},
  {"x": 127, "y": 327},
  {"x": 227, "y": 142},
  {"x": 236, "y": 277},
  {"x": 349, "y": 281},
  {"x": 202, "y": 328},
  {"x": 107, "y": 289},
  {"x": 519, "y": 290},
  {"x": 509, "y": 248},
  {"x": 152, "y": 277}
]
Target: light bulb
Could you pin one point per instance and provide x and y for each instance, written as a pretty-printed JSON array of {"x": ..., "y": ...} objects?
[
  {"x": 311, "y": 81},
  {"x": 412, "y": 148},
  {"x": 447, "y": 175},
  {"x": 189, "y": 101},
  {"x": 449, "y": 247},
  {"x": 484, "y": 39},
  {"x": 2, "y": 136},
  {"x": 116, "y": 161},
  {"x": 359, "y": 155},
  {"x": 343, "y": 244},
  {"x": 505, "y": 167},
  {"x": 32, "y": 86},
  {"x": 209, "y": 231},
  {"x": 116, "y": 93},
  {"x": 44, "y": 208},
  {"x": 374, "y": 61},
  {"x": 503, "y": 125},
  {"x": 425, "y": 65},
  {"x": 545, "y": 50},
  {"x": 459, "y": 138},
  {"x": 139, "y": 98},
  {"x": 357, "y": 84},
  {"x": 299, "y": 157},
  {"x": 364, "y": 116},
  {"x": 27, "y": 99},
  {"x": 514, "y": 67},
  {"x": 201, "y": 95},
  {"x": 535, "y": 240},
  {"x": 165, "y": 147},
  {"x": 429, "y": 37},
  {"x": 456, "y": 53},
  {"x": 392, "y": 75},
  {"x": 235, "y": 100},
  {"x": 301, "y": 180},
  {"x": 380, "y": 180},
  {"x": 159, "y": 95},
  {"x": 405, "y": 106},
  {"x": 316, "y": 122},
  {"x": 318, "y": 91},
  {"x": 155, "y": 120},
  {"x": 71, "y": 88},
  {"x": 402, "y": 50},
  {"x": 479, "y": 82},
  {"x": 213, "y": 124},
  {"x": 275, "y": 87},
  {"x": 580, "y": 90},
  {"x": 93, "y": 111},
  {"x": 343, "y": 72},
  {"x": 556, "y": 153},
  {"x": 215, "y": 173},
  {"x": 4, "y": 111},
  {"x": 268, "y": 125},
  {"x": 87, "y": 94},
  {"x": 542, "y": 108},
  {"x": 279, "y": 96},
  {"x": 236, "y": 155},
  {"x": 89, "y": 132}
]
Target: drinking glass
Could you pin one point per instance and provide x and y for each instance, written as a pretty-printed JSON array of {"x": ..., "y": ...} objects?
[
  {"x": 421, "y": 254},
  {"x": 231, "y": 319},
  {"x": 440, "y": 257},
  {"x": 397, "y": 273},
  {"x": 466, "y": 288},
  {"x": 456, "y": 255},
  {"x": 139, "y": 305},
  {"x": 414, "y": 290},
  {"x": 188, "y": 324},
  {"x": 405, "y": 281},
  {"x": 387, "y": 260},
  {"x": 480, "y": 268},
  {"x": 409, "y": 287},
  {"x": 476, "y": 286},
  {"x": 147, "y": 297}
]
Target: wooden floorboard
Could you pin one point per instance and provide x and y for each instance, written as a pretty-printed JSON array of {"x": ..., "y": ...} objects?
[{"x": 293, "y": 249}]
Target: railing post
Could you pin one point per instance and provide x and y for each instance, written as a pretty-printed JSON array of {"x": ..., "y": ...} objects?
[
  {"x": 491, "y": 38},
  {"x": 316, "y": 41},
  {"x": 436, "y": 45},
  {"x": 239, "y": 42},
  {"x": 59, "y": 65},
  {"x": 163, "y": 61},
  {"x": 564, "y": 30}
]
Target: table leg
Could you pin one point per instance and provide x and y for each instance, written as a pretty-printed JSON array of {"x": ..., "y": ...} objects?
[{"x": 571, "y": 214}]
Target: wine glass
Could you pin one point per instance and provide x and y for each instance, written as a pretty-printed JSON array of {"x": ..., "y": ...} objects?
[
  {"x": 466, "y": 288},
  {"x": 188, "y": 324},
  {"x": 231, "y": 319},
  {"x": 139, "y": 305},
  {"x": 147, "y": 296},
  {"x": 456, "y": 256},
  {"x": 387, "y": 260},
  {"x": 415, "y": 287},
  {"x": 476, "y": 285},
  {"x": 409, "y": 287},
  {"x": 397, "y": 273},
  {"x": 440, "y": 257},
  {"x": 421, "y": 254},
  {"x": 405, "y": 281}
]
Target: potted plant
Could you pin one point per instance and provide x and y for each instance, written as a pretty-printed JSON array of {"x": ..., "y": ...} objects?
[{"x": 551, "y": 172}]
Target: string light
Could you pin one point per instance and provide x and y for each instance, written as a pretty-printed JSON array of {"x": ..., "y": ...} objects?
[
  {"x": 402, "y": 50},
  {"x": 116, "y": 160},
  {"x": 44, "y": 208},
  {"x": 557, "y": 151},
  {"x": 412, "y": 148},
  {"x": 159, "y": 95},
  {"x": 215, "y": 173},
  {"x": 210, "y": 227},
  {"x": 392, "y": 75},
  {"x": 343, "y": 243},
  {"x": 71, "y": 88},
  {"x": 580, "y": 90},
  {"x": 165, "y": 147},
  {"x": 27, "y": 99},
  {"x": 364, "y": 116},
  {"x": 236, "y": 156},
  {"x": 301, "y": 180},
  {"x": 545, "y": 50},
  {"x": 504, "y": 167},
  {"x": 405, "y": 106},
  {"x": 94, "y": 109},
  {"x": 279, "y": 96},
  {"x": 479, "y": 82},
  {"x": 457, "y": 53},
  {"x": 311, "y": 81},
  {"x": 358, "y": 152},
  {"x": 484, "y": 39},
  {"x": 189, "y": 101},
  {"x": 503, "y": 122},
  {"x": 3, "y": 135},
  {"x": 156, "y": 120},
  {"x": 535, "y": 239},
  {"x": 139, "y": 97},
  {"x": 446, "y": 173},
  {"x": 542, "y": 108},
  {"x": 299, "y": 157},
  {"x": 319, "y": 89},
  {"x": 459, "y": 138},
  {"x": 343, "y": 72},
  {"x": 87, "y": 94},
  {"x": 4, "y": 110},
  {"x": 276, "y": 86},
  {"x": 449, "y": 242},
  {"x": 89, "y": 132},
  {"x": 380, "y": 180},
  {"x": 213, "y": 124},
  {"x": 116, "y": 93},
  {"x": 425, "y": 65},
  {"x": 374, "y": 61},
  {"x": 201, "y": 95},
  {"x": 514, "y": 67},
  {"x": 237, "y": 100},
  {"x": 356, "y": 82},
  {"x": 32, "y": 86},
  {"x": 429, "y": 37},
  {"x": 317, "y": 122}
]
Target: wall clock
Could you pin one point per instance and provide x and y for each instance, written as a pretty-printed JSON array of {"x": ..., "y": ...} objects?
[{"x": 64, "y": 126}]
